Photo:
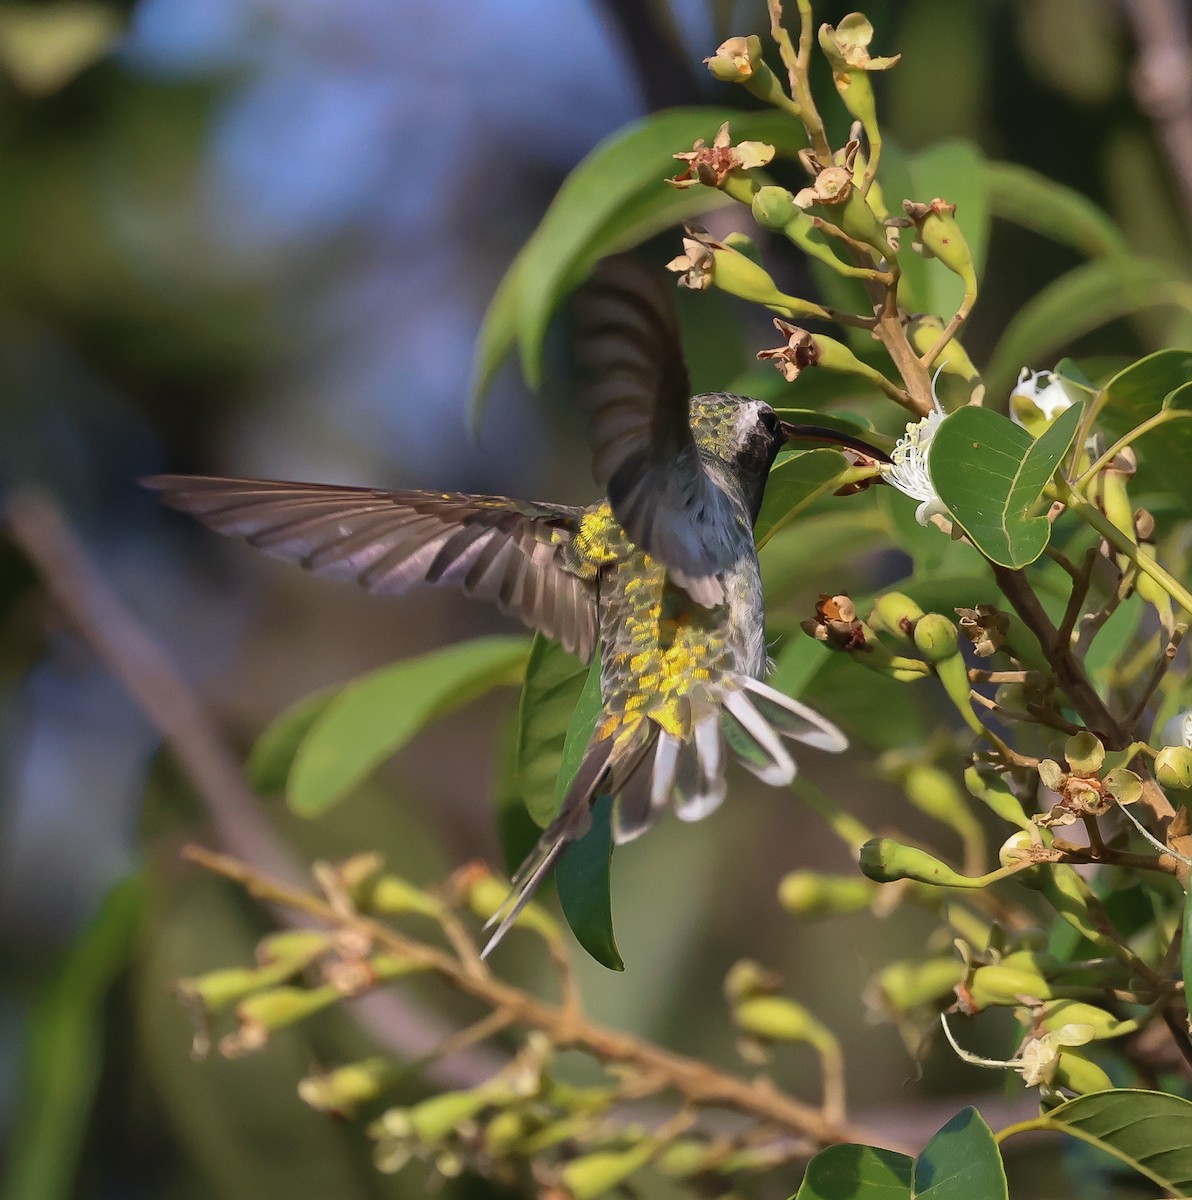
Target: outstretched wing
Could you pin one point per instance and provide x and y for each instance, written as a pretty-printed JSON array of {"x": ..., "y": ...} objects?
[
  {"x": 634, "y": 386},
  {"x": 506, "y": 551}
]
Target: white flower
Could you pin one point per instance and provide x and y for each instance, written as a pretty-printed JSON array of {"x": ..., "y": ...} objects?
[
  {"x": 1178, "y": 731},
  {"x": 1043, "y": 391},
  {"x": 1039, "y": 1058},
  {"x": 907, "y": 470}
]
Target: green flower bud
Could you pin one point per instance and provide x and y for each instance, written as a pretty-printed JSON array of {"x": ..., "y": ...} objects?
[
  {"x": 1015, "y": 848},
  {"x": 941, "y": 237},
  {"x": 433, "y": 1119},
  {"x": 934, "y": 792},
  {"x": 262, "y": 1014},
  {"x": 506, "y": 1130},
  {"x": 683, "y": 1158},
  {"x": 885, "y": 860},
  {"x": 1085, "y": 753},
  {"x": 393, "y": 896},
  {"x": 904, "y": 986},
  {"x": 936, "y": 638},
  {"x": 896, "y": 615},
  {"x": 594, "y": 1174},
  {"x": 1173, "y": 769},
  {"x": 297, "y": 947},
  {"x": 1077, "y": 1074},
  {"x": 217, "y": 989},
  {"x": 343, "y": 1090},
  {"x": 813, "y": 894},
  {"x": 1000, "y": 985},
  {"x": 1123, "y": 785},
  {"x": 486, "y": 895},
  {"x": 777, "y": 1019},
  {"x": 953, "y": 360},
  {"x": 773, "y": 207},
  {"x": 748, "y": 978},
  {"x": 1054, "y": 1015},
  {"x": 742, "y": 243}
]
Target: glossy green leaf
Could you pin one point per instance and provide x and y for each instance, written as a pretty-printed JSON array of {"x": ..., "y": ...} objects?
[
  {"x": 1035, "y": 202},
  {"x": 1076, "y": 303},
  {"x": 550, "y": 695},
  {"x": 961, "y": 1162},
  {"x": 991, "y": 474},
  {"x": 614, "y": 198},
  {"x": 857, "y": 1173},
  {"x": 1159, "y": 381},
  {"x": 808, "y": 552},
  {"x": 273, "y": 752},
  {"x": 63, "y": 1053},
  {"x": 582, "y": 876},
  {"x": 1148, "y": 1131},
  {"x": 374, "y": 716},
  {"x": 796, "y": 480}
]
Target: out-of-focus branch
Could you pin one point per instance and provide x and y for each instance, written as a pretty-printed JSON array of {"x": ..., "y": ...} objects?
[
  {"x": 1162, "y": 81},
  {"x": 38, "y": 528}
]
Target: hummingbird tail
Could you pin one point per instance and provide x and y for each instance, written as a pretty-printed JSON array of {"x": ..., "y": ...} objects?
[{"x": 607, "y": 763}]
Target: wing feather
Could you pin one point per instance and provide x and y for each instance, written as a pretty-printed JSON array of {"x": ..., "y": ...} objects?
[{"x": 509, "y": 552}]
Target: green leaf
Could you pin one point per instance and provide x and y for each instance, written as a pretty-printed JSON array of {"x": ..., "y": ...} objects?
[
  {"x": 614, "y": 198},
  {"x": 1075, "y": 304},
  {"x": 374, "y": 716},
  {"x": 1148, "y": 1131},
  {"x": 1186, "y": 946},
  {"x": 1035, "y": 202},
  {"x": 857, "y": 1173},
  {"x": 582, "y": 876},
  {"x": 63, "y": 1054},
  {"x": 273, "y": 752},
  {"x": 796, "y": 480},
  {"x": 961, "y": 1162},
  {"x": 806, "y": 552},
  {"x": 1141, "y": 390},
  {"x": 991, "y": 474},
  {"x": 550, "y": 695}
]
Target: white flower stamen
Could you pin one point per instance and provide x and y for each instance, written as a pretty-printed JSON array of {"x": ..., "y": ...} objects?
[
  {"x": 907, "y": 470},
  {"x": 1186, "y": 730},
  {"x": 1040, "y": 389},
  {"x": 1039, "y": 1058}
]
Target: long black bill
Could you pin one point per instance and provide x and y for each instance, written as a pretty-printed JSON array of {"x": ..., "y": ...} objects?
[{"x": 835, "y": 437}]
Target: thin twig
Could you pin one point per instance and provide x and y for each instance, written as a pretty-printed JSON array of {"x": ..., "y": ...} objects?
[
  {"x": 1162, "y": 666},
  {"x": 695, "y": 1081}
]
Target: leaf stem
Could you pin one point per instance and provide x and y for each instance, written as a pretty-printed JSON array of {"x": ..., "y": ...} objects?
[{"x": 1151, "y": 423}]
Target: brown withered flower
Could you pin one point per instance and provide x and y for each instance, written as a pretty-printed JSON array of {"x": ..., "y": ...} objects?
[
  {"x": 697, "y": 262},
  {"x": 832, "y": 182},
  {"x": 836, "y": 622},
  {"x": 797, "y": 353},
  {"x": 985, "y": 626},
  {"x": 712, "y": 165}
]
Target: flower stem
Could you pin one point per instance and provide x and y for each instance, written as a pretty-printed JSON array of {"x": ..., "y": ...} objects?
[{"x": 1154, "y": 422}]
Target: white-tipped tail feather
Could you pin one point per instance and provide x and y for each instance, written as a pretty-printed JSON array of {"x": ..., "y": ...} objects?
[{"x": 659, "y": 770}]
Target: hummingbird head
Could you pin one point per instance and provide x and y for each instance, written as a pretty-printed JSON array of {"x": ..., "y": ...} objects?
[{"x": 744, "y": 435}]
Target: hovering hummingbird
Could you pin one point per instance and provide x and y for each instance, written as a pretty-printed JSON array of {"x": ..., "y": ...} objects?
[{"x": 662, "y": 575}]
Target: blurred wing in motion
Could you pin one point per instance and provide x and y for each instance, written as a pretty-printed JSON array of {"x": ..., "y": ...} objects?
[
  {"x": 506, "y": 551},
  {"x": 634, "y": 387}
]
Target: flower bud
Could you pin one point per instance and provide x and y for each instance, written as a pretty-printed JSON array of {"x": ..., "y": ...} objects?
[
  {"x": 773, "y": 207},
  {"x": 344, "y": 1089},
  {"x": 934, "y": 792},
  {"x": 433, "y": 1119},
  {"x": 485, "y": 895},
  {"x": 1085, "y": 753},
  {"x": 1000, "y": 985},
  {"x": 776, "y": 1019},
  {"x": 683, "y": 1158},
  {"x": 1055, "y": 1014},
  {"x": 908, "y": 985},
  {"x": 896, "y": 614},
  {"x": 748, "y": 978},
  {"x": 1015, "y": 848},
  {"x": 1173, "y": 768},
  {"x": 936, "y": 638},
  {"x": 941, "y": 237},
  {"x": 264, "y": 1013},
  {"x": 594, "y": 1174},
  {"x": 885, "y": 860},
  {"x": 1077, "y": 1074},
  {"x": 505, "y": 1131},
  {"x": 812, "y": 894},
  {"x": 395, "y": 897}
]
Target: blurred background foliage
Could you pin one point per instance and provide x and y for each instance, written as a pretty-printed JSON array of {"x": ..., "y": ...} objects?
[{"x": 254, "y": 237}]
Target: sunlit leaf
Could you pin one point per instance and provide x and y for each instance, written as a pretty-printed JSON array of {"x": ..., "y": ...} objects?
[
  {"x": 616, "y": 197},
  {"x": 795, "y": 482},
  {"x": 1035, "y": 202},
  {"x": 1148, "y": 1131},
  {"x": 1080, "y": 301},
  {"x": 1139, "y": 392},
  {"x": 961, "y": 1162},
  {"x": 374, "y": 716},
  {"x": 63, "y": 1053},
  {"x": 857, "y": 1173},
  {"x": 991, "y": 474}
]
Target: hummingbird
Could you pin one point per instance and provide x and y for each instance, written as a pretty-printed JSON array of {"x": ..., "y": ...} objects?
[{"x": 660, "y": 577}]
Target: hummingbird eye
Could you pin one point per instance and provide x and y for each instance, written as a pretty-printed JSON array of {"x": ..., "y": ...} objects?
[{"x": 769, "y": 418}]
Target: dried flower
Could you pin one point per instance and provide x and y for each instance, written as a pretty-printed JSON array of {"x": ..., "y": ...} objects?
[
  {"x": 712, "y": 165},
  {"x": 832, "y": 182},
  {"x": 985, "y": 626},
  {"x": 694, "y": 265},
  {"x": 799, "y": 352},
  {"x": 847, "y": 45}
]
